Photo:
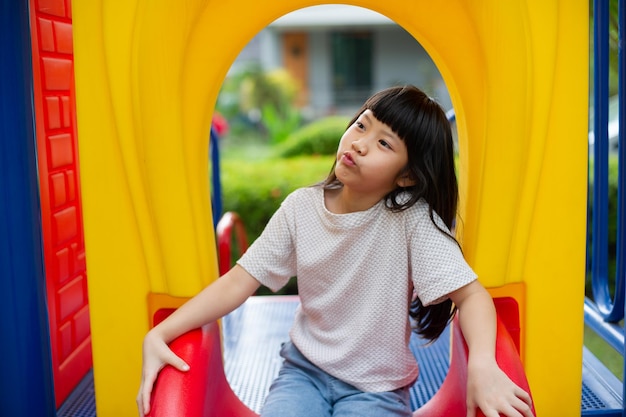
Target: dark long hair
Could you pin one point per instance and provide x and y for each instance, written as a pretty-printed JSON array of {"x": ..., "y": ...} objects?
[{"x": 423, "y": 126}]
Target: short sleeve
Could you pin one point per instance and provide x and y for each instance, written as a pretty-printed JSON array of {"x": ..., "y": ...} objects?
[
  {"x": 271, "y": 258},
  {"x": 437, "y": 263}
]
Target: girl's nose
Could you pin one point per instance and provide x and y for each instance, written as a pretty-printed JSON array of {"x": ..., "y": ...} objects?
[{"x": 359, "y": 147}]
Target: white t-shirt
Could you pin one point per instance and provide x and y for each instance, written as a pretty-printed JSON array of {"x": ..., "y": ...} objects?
[{"x": 356, "y": 274}]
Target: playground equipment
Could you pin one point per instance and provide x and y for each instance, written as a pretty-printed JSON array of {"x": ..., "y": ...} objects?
[
  {"x": 520, "y": 95},
  {"x": 517, "y": 76},
  {"x": 252, "y": 335}
]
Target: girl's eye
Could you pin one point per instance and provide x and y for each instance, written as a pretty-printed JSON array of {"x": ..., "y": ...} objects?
[
  {"x": 384, "y": 143},
  {"x": 359, "y": 125}
]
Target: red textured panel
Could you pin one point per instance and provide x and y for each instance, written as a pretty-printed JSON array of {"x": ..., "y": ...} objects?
[
  {"x": 58, "y": 193},
  {"x": 53, "y": 7},
  {"x": 63, "y": 32},
  {"x": 57, "y": 73},
  {"x": 53, "y": 108},
  {"x": 47, "y": 35},
  {"x": 65, "y": 224},
  {"x": 71, "y": 185},
  {"x": 63, "y": 264},
  {"x": 71, "y": 298},
  {"x": 79, "y": 257},
  {"x": 66, "y": 344},
  {"x": 66, "y": 111},
  {"x": 73, "y": 369},
  {"x": 81, "y": 324},
  {"x": 61, "y": 152},
  {"x": 63, "y": 245}
]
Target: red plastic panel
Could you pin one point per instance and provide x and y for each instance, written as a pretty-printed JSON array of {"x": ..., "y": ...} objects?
[
  {"x": 58, "y": 194},
  {"x": 53, "y": 7},
  {"x": 47, "y": 35},
  {"x": 63, "y": 37},
  {"x": 71, "y": 299},
  {"x": 63, "y": 265},
  {"x": 81, "y": 324},
  {"x": 65, "y": 225},
  {"x": 61, "y": 152},
  {"x": 53, "y": 105},
  {"x": 57, "y": 73},
  {"x": 61, "y": 212},
  {"x": 65, "y": 341}
]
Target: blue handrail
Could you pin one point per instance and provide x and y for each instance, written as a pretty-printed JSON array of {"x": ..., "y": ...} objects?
[
  {"x": 216, "y": 181},
  {"x": 611, "y": 308},
  {"x": 604, "y": 312},
  {"x": 621, "y": 224}
]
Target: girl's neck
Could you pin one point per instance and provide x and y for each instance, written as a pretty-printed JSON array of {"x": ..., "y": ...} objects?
[{"x": 343, "y": 200}]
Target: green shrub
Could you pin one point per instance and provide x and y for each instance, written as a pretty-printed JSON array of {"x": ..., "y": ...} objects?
[
  {"x": 255, "y": 189},
  {"x": 320, "y": 137},
  {"x": 253, "y": 99}
]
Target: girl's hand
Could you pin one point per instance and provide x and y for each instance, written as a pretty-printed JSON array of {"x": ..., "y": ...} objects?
[
  {"x": 491, "y": 390},
  {"x": 156, "y": 354},
  {"x": 214, "y": 301}
]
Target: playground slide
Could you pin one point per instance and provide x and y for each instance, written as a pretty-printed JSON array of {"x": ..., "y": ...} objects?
[
  {"x": 145, "y": 92},
  {"x": 450, "y": 399},
  {"x": 204, "y": 390}
]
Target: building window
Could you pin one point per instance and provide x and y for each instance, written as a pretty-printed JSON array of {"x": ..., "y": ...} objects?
[{"x": 352, "y": 67}]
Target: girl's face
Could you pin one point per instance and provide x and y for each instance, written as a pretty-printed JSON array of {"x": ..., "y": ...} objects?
[{"x": 371, "y": 158}]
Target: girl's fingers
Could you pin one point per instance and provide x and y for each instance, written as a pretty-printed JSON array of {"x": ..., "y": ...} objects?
[
  {"x": 179, "y": 364},
  {"x": 143, "y": 400},
  {"x": 525, "y": 404},
  {"x": 524, "y": 396},
  {"x": 145, "y": 390}
]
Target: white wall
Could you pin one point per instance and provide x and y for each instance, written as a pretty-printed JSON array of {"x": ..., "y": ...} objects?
[{"x": 400, "y": 59}]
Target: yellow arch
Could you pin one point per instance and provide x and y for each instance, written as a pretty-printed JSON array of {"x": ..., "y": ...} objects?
[{"x": 148, "y": 74}]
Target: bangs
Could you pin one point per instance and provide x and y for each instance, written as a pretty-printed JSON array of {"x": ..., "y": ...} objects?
[{"x": 402, "y": 109}]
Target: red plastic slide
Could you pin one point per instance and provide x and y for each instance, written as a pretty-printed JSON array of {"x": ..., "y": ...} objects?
[
  {"x": 449, "y": 401},
  {"x": 204, "y": 391}
]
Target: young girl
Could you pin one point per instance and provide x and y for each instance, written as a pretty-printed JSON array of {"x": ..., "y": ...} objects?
[{"x": 370, "y": 246}]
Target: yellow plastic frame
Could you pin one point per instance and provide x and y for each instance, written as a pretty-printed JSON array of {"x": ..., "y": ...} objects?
[{"x": 148, "y": 73}]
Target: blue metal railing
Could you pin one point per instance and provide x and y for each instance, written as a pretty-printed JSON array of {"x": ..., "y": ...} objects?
[
  {"x": 216, "y": 180},
  {"x": 604, "y": 313},
  {"x": 611, "y": 307}
]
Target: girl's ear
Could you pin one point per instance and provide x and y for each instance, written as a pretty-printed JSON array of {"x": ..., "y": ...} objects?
[{"x": 405, "y": 180}]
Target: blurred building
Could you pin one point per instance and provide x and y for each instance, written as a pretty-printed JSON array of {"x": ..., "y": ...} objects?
[{"x": 340, "y": 55}]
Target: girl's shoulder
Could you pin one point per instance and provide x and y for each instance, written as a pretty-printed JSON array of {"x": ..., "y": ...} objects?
[
  {"x": 416, "y": 211},
  {"x": 418, "y": 217}
]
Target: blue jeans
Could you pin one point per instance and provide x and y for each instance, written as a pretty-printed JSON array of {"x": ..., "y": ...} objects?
[{"x": 303, "y": 390}]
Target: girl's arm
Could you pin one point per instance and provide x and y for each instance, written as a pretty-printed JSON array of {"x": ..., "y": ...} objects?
[
  {"x": 488, "y": 387},
  {"x": 213, "y": 302}
]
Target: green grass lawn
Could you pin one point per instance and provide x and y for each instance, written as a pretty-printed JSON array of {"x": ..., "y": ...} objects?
[{"x": 605, "y": 353}]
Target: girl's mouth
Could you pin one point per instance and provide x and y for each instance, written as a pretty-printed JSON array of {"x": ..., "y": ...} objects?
[{"x": 347, "y": 159}]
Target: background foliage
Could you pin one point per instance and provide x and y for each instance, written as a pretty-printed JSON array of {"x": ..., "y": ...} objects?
[
  {"x": 317, "y": 138},
  {"x": 255, "y": 189}
]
